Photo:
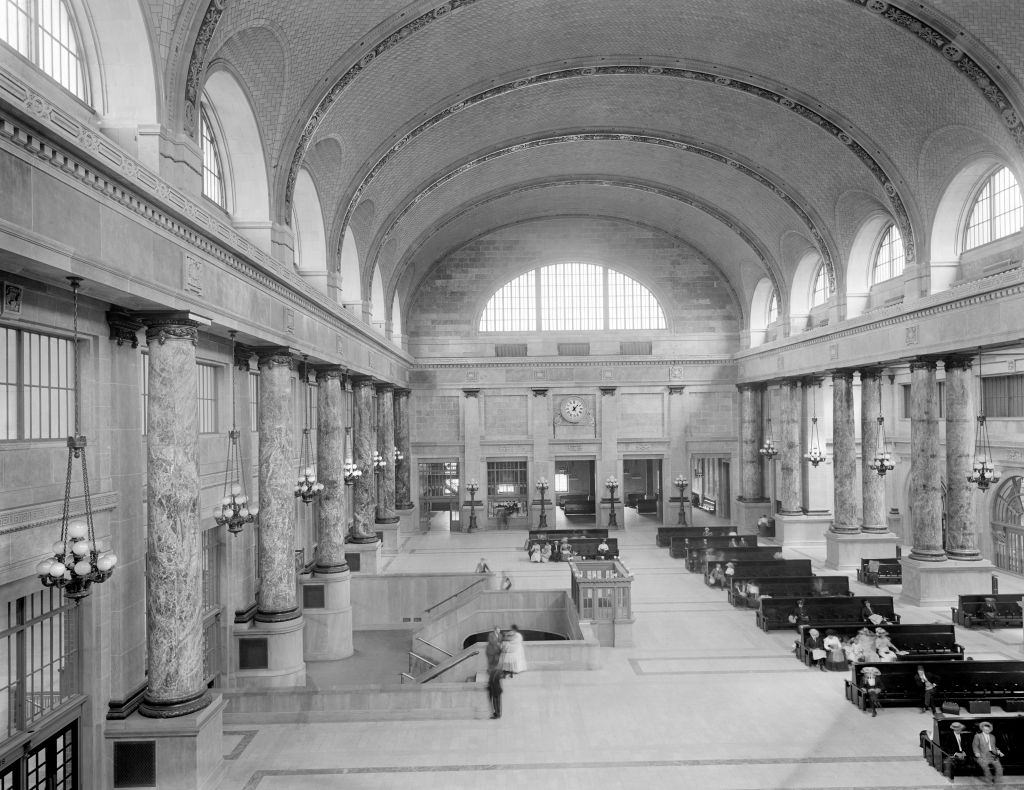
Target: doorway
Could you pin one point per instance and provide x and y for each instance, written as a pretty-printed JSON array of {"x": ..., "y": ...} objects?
[
  {"x": 574, "y": 493},
  {"x": 642, "y": 498},
  {"x": 710, "y": 486},
  {"x": 440, "y": 509}
]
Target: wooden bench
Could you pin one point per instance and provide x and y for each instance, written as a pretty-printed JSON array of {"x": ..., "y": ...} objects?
[
  {"x": 556, "y": 535},
  {"x": 995, "y": 682},
  {"x": 937, "y": 746},
  {"x": 790, "y": 586},
  {"x": 678, "y": 546},
  {"x": 773, "y": 613},
  {"x": 665, "y": 534},
  {"x": 700, "y": 560},
  {"x": 586, "y": 548},
  {"x": 967, "y": 612},
  {"x": 875, "y": 571},
  {"x": 751, "y": 570},
  {"x": 930, "y": 642}
]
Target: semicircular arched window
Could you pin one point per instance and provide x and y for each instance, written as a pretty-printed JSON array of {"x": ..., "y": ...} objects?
[
  {"x": 1008, "y": 525},
  {"x": 889, "y": 260},
  {"x": 44, "y": 32},
  {"x": 567, "y": 297},
  {"x": 997, "y": 210},
  {"x": 213, "y": 169},
  {"x": 772, "y": 311},
  {"x": 822, "y": 287}
]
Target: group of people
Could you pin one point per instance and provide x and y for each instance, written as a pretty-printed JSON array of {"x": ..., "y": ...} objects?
[
  {"x": 984, "y": 746},
  {"x": 506, "y": 657},
  {"x": 555, "y": 551},
  {"x": 835, "y": 653}
]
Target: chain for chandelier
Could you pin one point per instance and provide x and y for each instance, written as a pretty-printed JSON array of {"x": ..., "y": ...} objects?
[
  {"x": 768, "y": 449},
  {"x": 815, "y": 455},
  {"x": 77, "y": 561},
  {"x": 234, "y": 509},
  {"x": 883, "y": 460},
  {"x": 984, "y": 472},
  {"x": 308, "y": 489}
]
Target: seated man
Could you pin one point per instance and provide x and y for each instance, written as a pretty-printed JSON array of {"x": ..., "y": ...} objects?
[
  {"x": 989, "y": 613},
  {"x": 954, "y": 746},
  {"x": 603, "y": 550}
]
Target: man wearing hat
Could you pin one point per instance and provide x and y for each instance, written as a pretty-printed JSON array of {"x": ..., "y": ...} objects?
[
  {"x": 871, "y": 683},
  {"x": 954, "y": 743},
  {"x": 987, "y": 752},
  {"x": 926, "y": 683},
  {"x": 989, "y": 611}
]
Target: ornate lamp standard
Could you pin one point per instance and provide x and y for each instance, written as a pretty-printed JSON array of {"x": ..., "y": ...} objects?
[
  {"x": 542, "y": 487},
  {"x": 681, "y": 483},
  {"x": 612, "y": 485},
  {"x": 472, "y": 487}
]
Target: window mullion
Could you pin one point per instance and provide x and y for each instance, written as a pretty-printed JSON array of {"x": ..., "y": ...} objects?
[
  {"x": 605, "y": 298},
  {"x": 537, "y": 278}
]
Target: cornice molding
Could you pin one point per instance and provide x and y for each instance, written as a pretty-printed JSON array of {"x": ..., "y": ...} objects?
[{"x": 661, "y": 363}]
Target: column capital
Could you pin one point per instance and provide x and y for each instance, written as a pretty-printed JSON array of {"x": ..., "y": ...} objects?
[
  {"x": 923, "y": 363},
  {"x": 360, "y": 381},
  {"x": 540, "y": 392},
  {"x": 957, "y": 362},
  {"x": 272, "y": 356},
  {"x": 329, "y": 372},
  {"x": 384, "y": 386},
  {"x": 471, "y": 393},
  {"x": 676, "y": 389},
  {"x": 124, "y": 326},
  {"x": 871, "y": 372},
  {"x": 402, "y": 392},
  {"x": 164, "y": 325},
  {"x": 607, "y": 390},
  {"x": 842, "y": 373}
]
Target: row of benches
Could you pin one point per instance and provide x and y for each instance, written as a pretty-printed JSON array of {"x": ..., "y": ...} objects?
[{"x": 584, "y": 542}]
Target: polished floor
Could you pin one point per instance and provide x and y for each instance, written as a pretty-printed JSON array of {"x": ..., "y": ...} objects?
[{"x": 704, "y": 700}]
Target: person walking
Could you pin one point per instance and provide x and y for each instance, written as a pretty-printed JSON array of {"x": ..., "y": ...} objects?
[
  {"x": 494, "y": 692},
  {"x": 987, "y": 752}
]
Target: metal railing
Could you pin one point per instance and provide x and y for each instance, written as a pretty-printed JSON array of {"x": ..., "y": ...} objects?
[
  {"x": 455, "y": 595},
  {"x": 452, "y": 665},
  {"x": 429, "y": 644}
]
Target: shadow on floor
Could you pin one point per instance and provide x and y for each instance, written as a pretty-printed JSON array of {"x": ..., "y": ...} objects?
[{"x": 378, "y": 658}]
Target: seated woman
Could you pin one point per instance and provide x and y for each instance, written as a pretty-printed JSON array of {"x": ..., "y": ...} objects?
[
  {"x": 535, "y": 552},
  {"x": 836, "y": 659},
  {"x": 868, "y": 615},
  {"x": 816, "y": 645},
  {"x": 865, "y": 642},
  {"x": 799, "y": 614},
  {"x": 884, "y": 647},
  {"x": 871, "y": 683},
  {"x": 545, "y": 552},
  {"x": 565, "y": 550}
]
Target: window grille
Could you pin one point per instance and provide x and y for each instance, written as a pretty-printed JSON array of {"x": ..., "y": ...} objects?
[
  {"x": 439, "y": 479},
  {"x": 36, "y": 385},
  {"x": 997, "y": 211},
  {"x": 1003, "y": 395},
  {"x": 507, "y": 489},
  {"x": 822, "y": 288},
  {"x": 510, "y": 350},
  {"x": 206, "y": 376},
  {"x": 889, "y": 258},
  {"x": 636, "y": 348},
  {"x": 574, "y": 349},
  {"x": 773, "y": 309},
  {"x": 213, "y": 171},
  {"x": 43, "y": 31},
  {"x": 631, "y": 305}
]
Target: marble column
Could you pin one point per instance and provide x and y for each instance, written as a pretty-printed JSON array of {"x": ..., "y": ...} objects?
[
  {"x": 331, "y": 425},
  {"x": 363, "y": 439},
  {"x": 473, "y": 467},
  {"x": 386, "y": 446},
  {"x": 844, "y": 455},
  {"x": 961, "y": 530},
  {"x": 176, "y": 685},
  {"x": 403, "y": 471},
  {"x": 752, "y": 485},
  {"x": 789, "y": 448},
  {"x": 872, "y": 484},
  {"x": 925, "y": 470},
  {"x": 276, "y": 601}
]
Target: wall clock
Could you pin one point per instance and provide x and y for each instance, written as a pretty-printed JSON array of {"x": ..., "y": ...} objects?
[{"x": 573, "y": 409}]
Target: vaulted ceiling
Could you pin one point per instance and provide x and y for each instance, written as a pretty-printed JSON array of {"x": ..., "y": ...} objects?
[{"x": 754, "y": 129}]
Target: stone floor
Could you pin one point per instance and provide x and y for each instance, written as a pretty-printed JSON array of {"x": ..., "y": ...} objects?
[{"x": 704, "y": 700}]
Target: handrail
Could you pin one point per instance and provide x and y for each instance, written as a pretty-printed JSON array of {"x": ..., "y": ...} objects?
[
  {"x": 453, "y": 664},
  {"x": 453, "y": 595},
  {"x": 404, "y": 675},
  {"x": 418, "y": 657},
  {"x": 424, "y": 641}
]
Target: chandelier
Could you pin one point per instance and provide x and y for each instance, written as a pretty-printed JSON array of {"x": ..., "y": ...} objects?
[
  {"x": 399, "y": 457},
  {"x": 234, "y": 509},
  {"x": 815, "y": 455},
  {"x": 768, "y": 449},
  {"x": 883, "y": 460},
  {"x": 984, "y": 472},
  {"x": 350, "y": 472},
  {"x": 307, "y": 488},
  {"x": 379, "y": 462},
  {"x": 77, "y": 561}
]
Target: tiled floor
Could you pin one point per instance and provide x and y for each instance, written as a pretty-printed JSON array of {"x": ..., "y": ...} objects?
[{"x": 704, "y": 700}]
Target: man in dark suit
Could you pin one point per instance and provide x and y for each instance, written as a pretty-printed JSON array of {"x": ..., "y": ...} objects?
[
  {"x": 494, "y": 692},
  {"x": 494, "y": 640},
  {"x": 953, "y": 743},
  {"x": 926, "y": 683}
]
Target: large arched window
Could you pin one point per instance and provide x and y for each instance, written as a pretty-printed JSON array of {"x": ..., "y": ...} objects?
[
  {"x": 44, "y": 32},
  {"x": 997, "y": 210},
  {"x": 889, "y": 258},
  {"x": 1008, "y": 526},
  {"x": 213, "y": 171},
  {"x": 567, "y": 297},
  {"x": 772, "y": 314},
  {"x": 822, "y": 291}
]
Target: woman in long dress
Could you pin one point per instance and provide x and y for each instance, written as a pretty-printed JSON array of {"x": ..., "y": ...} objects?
[{"x": 513, "y": 656}]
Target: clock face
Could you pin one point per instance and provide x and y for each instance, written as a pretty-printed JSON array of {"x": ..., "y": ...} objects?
[{"x": 573, "y": 409}]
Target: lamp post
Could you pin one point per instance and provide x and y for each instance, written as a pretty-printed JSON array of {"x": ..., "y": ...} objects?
[
  {"x": 681, "y": 483},
  {"x": 612, "y": 485},
  {"x": 472, "y": 487},
  {"x": 542, "y": 487}
]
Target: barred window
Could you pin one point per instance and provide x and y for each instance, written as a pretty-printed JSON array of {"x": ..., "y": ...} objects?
[
  {"x": 213, "y": 171},
  {"x": 997, "y": 210},
  {"x": 254, "y": 401},
  {"x": 822, "y": 287},
  {"x": 37, "y": 385},
  {"x": 889, "y": 258},
  {"x": 571, "y": 297},
  {"x": 207, "y": 378},
  {"x": 1003, "y": 396},
  {"x": 44, "y": 32}
]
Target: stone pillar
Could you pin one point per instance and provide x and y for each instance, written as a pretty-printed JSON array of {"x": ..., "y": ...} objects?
[
  {"x": 925, "y": 471},
  {"x": 331, "y": 424},
  {"x": 403, "y": 471},
  {"x": 609, "y": 464},
  {"x": 789, "y": 448},
  {"x": 961, "y": 530},
  {"x": 363, "y": 437},
  {"x": 677, "y": 460},
  {"x": 844, "y": 452},
  {"x": 472, "y": 468},
  {"x": 176, "y": 685},
  {"x": 386, "y": 519},
  {"x": 751, "y": 419},
  {"x": 543, "y": 466},
  {"x": 872, "y": 485}
]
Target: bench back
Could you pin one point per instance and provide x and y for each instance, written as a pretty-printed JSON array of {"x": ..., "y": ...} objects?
[
  {"x": 955, "y": 679},
  {"x": 916, "y": 638},
  {"x": 1008, "y": 730},
  {"x": 765, "y": 569},
  {"x": 884, "y": 563},
  {"x": 667, "y": 533},
  {"x": 700, "y": 559},
  {"x": 587, "y": 547},
  {"x": 1007, "y": 604},
  {"x": 825, "y": 610},
  {"x": 542, "y": 535},
  {"x": 678, "y": 546},
  {"x": 815, "y": 586}
]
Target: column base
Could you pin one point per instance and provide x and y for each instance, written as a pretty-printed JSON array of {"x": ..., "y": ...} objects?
[
  {"x": 604, "y": 513},
  {"x": 746, "y": 512},
  {"x": 410, "y": 519},
  {"x": 388, "y": 533},
  {"x": 364, "y": 558},
  {"x": 801, "y": 531},
  {"x": 940, "y": 583},
  {"x": 274, "y": 656},
  {"x": 327, "y": 635},
  {"x": 845, "y": 550},
  {"x": 189, "y": 749}
]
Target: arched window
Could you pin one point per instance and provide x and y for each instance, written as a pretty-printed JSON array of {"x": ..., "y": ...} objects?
[
  {"x": 297, "y": 255},
  {"x": 997, "y": 210},
  {"x": 44, "y": 32},
  {"x": 1008, "y": 525},
  {"x": 773, "y": 309},
  {"x": 822, "y": 287},
  {"x": 213, "y": 172},
  {"x": 571, "y": 297},
  {"x": 889, "y": 258}
]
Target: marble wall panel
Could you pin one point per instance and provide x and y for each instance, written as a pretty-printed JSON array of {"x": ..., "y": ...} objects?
[
  {"x": 505, "y": 415},
  {"x": 641, "y": 414}
]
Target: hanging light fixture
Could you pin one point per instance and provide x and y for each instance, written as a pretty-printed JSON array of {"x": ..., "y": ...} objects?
[
  {"x": 768, "y": 449},
  {"x": 815, "y": 455},
  {"x": 379, "y": 462},
  {"x": 984, "y": 472},
  {"x": 351, "y": 471},
  {"x": 307, "y": 488},
  {"x": 77, "y": 561},
  {"x": 234, "y": 510},
  {"x": 883, "y": 460}
]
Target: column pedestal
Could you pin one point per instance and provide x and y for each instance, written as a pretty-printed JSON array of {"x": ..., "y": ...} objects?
[
  {"x": 801, "y": 531},
  {"x": 408, "y": 522},
  {"x": 940, "y": 583},
  {"x": 388, "y": 532},
  {"x": 189, "y": 749},
  {"x": 364, "y": 558},
  {"x": 746, "y": 513},
  {"x": 844, "y": 550},
  {"x": 603, "y": 516},
  {"x": 328, "y": 632},
  {"x": 285, "y": 665}
]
